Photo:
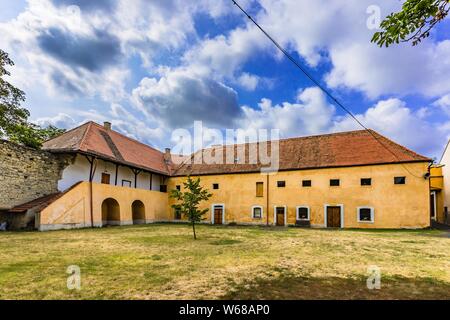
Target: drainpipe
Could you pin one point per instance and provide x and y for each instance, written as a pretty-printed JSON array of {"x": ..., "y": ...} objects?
[
  {"x": 267, "y": 200},
  {"x": 93, "y": 163}
]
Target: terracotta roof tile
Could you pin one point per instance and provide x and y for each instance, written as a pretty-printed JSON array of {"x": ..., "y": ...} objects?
[
  {"x": 351, "y": 148},
  {"x": 94, "y": 139},
  {"x": 342, "y": 149}
]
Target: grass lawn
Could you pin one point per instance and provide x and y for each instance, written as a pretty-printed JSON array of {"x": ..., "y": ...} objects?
[{"x": 163, "y": 262}]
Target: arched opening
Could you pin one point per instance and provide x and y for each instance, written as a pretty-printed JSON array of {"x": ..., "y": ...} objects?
[
  {"x": 138, "y": 211},
  {"x": 110, "y": 212}
]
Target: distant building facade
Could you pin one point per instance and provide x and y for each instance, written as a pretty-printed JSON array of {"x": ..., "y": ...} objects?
[{"x": 356, "y": 179}]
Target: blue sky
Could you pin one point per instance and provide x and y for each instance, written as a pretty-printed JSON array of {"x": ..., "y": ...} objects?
[{"x": 151, "y": 67}]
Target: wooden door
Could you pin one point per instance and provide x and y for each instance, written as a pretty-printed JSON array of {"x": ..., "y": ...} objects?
[
  {"x": 280, "y": 216},
  {"x": 333, "y": 217},
  {"x": 218, "y": 213},
  {"x": 105, "y": 178}
]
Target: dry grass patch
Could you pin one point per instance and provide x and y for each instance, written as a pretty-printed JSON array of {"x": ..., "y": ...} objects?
[{"x": 164, "y": 262}]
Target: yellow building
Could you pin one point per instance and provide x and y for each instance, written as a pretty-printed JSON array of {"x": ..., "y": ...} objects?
[{"x": 356, "y": 179}]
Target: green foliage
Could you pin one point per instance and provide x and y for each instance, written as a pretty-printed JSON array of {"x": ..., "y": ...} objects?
[
  {"x": 413, "y": 23},
  {"x": 13, "y": 118},
  {"x": 190, "y": 200},
  {"x": 32, "y": 135}
]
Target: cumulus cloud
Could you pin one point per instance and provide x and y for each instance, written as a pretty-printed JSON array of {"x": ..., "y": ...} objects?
[
  {"x": 88, "y": 5},
  {"x": 395, "y": 120},
  {"x": 90, "y": 52},
  {"x": 61, "y": 120},
  {"x": 178, "y": 99},
  {"x": 309, "y": 114}
]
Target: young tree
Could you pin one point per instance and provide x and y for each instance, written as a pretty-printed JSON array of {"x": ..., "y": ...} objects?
[
  {"x": 190, "y": 200},
  {"x": 14, "y": 123},
  {"x": 413, "y": 23}
]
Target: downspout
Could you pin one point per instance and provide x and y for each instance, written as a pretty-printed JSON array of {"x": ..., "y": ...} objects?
[
  {"x": 429, "y": 194},
  {"x": 117, "y": 172},
  {"x": 91, "y": 195},
  {"x": 267, "y": 200}
]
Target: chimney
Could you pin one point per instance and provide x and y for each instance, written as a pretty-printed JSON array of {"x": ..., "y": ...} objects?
[
  {"x": 167, "y": 156},
  {"x": 107, "y": 125}
]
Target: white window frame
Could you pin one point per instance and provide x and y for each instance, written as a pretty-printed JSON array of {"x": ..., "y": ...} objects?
[
  {"x": 372, "y": 214},
  {"x": 296, "y": 213},
  {"x": 223, "y": 211},
  {"x": 262, "y": 212}
]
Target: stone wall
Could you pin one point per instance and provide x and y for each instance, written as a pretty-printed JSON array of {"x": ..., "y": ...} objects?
[{"x": 27, "y": 174}]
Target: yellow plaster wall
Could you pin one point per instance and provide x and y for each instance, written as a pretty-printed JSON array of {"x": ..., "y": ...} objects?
[
  {"x": 396, "y": 206},
  {"x": 73, "y": 208}
]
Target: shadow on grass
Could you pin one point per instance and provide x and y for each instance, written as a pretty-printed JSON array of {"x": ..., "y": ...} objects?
[{"x": 335, "y": 288}]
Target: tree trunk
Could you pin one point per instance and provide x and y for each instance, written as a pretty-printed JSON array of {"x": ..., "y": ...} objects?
[{"x": 193, "y": 229}]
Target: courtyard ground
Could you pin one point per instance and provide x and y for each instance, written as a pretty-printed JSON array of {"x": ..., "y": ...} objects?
[{"x": 162, "y": 261}]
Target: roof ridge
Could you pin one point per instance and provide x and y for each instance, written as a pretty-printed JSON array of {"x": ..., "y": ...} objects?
[
  {"x": 67, "y": 131},
  {"x": 83, "y": 138},
  {"x": 127, "y": 137},
  {"x": 413, "y": 153}
]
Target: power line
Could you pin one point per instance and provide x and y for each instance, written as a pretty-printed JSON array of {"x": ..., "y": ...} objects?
[{"x": 318, "y": 84}]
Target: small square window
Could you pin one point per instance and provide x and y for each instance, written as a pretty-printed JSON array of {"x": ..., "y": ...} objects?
[
  {"x": 399, "y": 180},
  {"x": 178, "y": 187},
  {"x": 302, "y": 213},
  {"x": 365, "y": 215},
  {"x": 366, "y": 181},
  {"x": 126, "y": 183},
  {"x": 257, "y": 212},
  {"x": 215, "y": 186},
  {"x": 281, "y": 184},
  {"x": 335, "y": 182},
  {"x": 306, "y": 183}
]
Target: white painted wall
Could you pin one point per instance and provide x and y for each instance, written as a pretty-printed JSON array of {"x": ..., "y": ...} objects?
[
  {"x": 446, "y": 173},
  {"x": 79, "y": 171}
]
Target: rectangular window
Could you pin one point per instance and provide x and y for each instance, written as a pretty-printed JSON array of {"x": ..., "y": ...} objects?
[
  {"x": 106, "y": 178},
  {"x": 306, "y": 183},
  {"x": 302, "y": 213},
  {"x": 178, "y": 187},
  {"x": 365, "y": 215},
  {"x": 177, "y": 214},
  {"x": 163, "y": 188},
  {"x": 260, "y": 189},
  {"x": 399, "y": 180},
  {"x": 257, "y": 212},
  {"x": 215, "y": 186},
  {"x": 126, "y": 183},
  {"x": 335, "y": 182},
  {"x": 366, "y": 181},
  {"x": 281, "y": 184}
]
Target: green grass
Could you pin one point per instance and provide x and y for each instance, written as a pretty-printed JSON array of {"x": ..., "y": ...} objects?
[{"x": 164, "y": 262}]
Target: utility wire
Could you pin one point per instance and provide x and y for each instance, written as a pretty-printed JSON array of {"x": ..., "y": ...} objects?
[{"x": 318, "y": 84}]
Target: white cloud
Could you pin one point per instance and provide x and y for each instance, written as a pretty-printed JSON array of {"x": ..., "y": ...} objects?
[
  {"x": 309, "y": 114},
  {"x": 177, "y": 99},
  {"x": 248, "y": 81},
  {"x": 61, "y": 120}
]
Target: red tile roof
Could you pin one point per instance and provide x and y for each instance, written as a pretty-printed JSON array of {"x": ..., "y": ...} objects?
[
  {"x": 36, "y": 203},
  {"x": 92, "y": 138},
  {"x": 353, "y": 148}
]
